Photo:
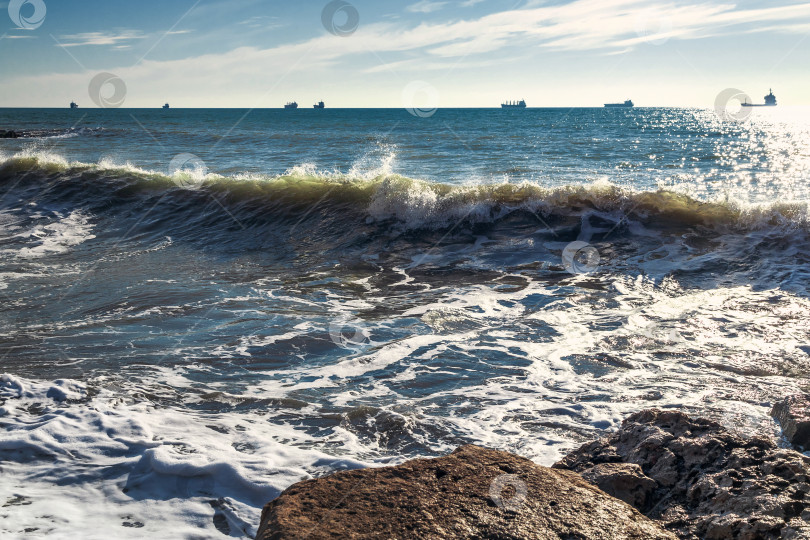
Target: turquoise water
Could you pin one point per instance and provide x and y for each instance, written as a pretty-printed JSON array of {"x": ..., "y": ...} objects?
[{"x": 202, "y": 307}]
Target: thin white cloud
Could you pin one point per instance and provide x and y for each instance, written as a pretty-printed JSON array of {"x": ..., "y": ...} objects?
[
  {"x": 606, "y": 26},
  {"x": 603, "y": 24},
  {"x": 101, "y": 38},
  {"x": 425, "y": 6},
  {"x": 433, "y": 65},
  {"x": 262, "y": 21}
]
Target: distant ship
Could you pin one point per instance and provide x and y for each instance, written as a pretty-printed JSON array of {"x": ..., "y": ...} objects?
[
  {"x": 166, "y": 106},
  {"x": 514, "y": 104},
  {"x": 291, "y": 105},
  {"x": 770, "y": 101},
  {"x": 74, "y": 105},
  {"x": 628, "y": 103},
  {"x": 320, "y": 105}
]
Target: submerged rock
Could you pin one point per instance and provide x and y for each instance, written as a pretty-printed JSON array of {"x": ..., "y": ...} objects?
[
  {"x": 709, "y": 482},
  {"x": 8, "y": 134},
  {"x": 793, "y": 414},
  {"x": 471, "y": 493}
]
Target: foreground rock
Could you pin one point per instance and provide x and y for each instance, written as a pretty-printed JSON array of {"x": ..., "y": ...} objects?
[
  {"x": 698, "y": 479},
  {"x": 472, "y": 493},
  {"x": 793, "y": 414}
]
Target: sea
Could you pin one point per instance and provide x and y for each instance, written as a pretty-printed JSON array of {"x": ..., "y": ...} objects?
[{"x": 199, "y": 308}]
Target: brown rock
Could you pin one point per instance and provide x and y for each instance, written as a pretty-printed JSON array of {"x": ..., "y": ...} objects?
[
  {"x": 471, "y": 493},
  {"x": 793, "y": 414},
  {"x": 711, "y": 483}
]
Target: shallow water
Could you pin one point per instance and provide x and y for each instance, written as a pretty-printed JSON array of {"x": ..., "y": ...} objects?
[{"x": 183, "y": 336}]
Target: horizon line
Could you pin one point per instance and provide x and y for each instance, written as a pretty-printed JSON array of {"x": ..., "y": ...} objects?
[{"x": 282, "y": 108}]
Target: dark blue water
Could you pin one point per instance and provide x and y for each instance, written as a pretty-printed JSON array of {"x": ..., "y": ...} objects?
[
  {"x": 209, "y": 305},
  {"x": 639, "y": 147}
]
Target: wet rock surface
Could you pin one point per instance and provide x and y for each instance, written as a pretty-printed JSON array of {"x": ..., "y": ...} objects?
[
  {"x": 625, "y": 481},
  {"x": 8, "y": 134},
  {"x": 472, "y": 493},
  {"x": 709, "y": 482},
  {"x": 793, "y": 415}
]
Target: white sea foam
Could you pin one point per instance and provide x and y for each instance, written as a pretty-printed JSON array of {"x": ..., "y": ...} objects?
[
  {"x": 58, "y": 236},
  {"x": 133, "y": 470},
  {"x": 592, "y": 368}
]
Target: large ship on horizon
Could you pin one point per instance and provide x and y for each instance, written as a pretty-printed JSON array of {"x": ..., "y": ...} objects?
[
  {"x": 319, "y": 105},
  {"x": 628, "y": 103},
  {"x": 770, "y": 101},
  {"x": 74, "y": 105},
  {"x": 291, "y": 105},
  {"x": 514, "y": 104}
]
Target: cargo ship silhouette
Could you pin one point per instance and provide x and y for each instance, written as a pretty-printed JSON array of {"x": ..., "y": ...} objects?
[
  {"x": 628, "y": 103},
  {"x": 514, "y": 104},
  {"x": 770, "y": 101}
]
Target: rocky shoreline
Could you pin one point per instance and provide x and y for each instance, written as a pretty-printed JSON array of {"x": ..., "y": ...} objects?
[
  {"x": 661, "y": 475},
  {"x": 698, "y": 479}
]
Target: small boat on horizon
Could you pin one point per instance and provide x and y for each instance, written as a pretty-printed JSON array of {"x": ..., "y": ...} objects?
[
  {"x": 291, "y": 105},
  {"x": 628, "y": 103},
  {"x": 770, "y": 101},
  {"x": 74, "y": 105},
  {"x": 514, "y": 104},
  {"x": 319, "y": 105},
  {"x": 166, "y": 106}
]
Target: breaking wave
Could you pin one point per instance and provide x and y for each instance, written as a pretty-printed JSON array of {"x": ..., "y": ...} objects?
[{"x": 380, "y": 196}]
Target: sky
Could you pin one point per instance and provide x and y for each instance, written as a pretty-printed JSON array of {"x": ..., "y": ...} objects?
[{"x": 411, "y": 53}]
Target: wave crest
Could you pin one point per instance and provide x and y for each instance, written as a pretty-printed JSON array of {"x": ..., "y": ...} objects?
[{"x": 379, "y": 195}]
